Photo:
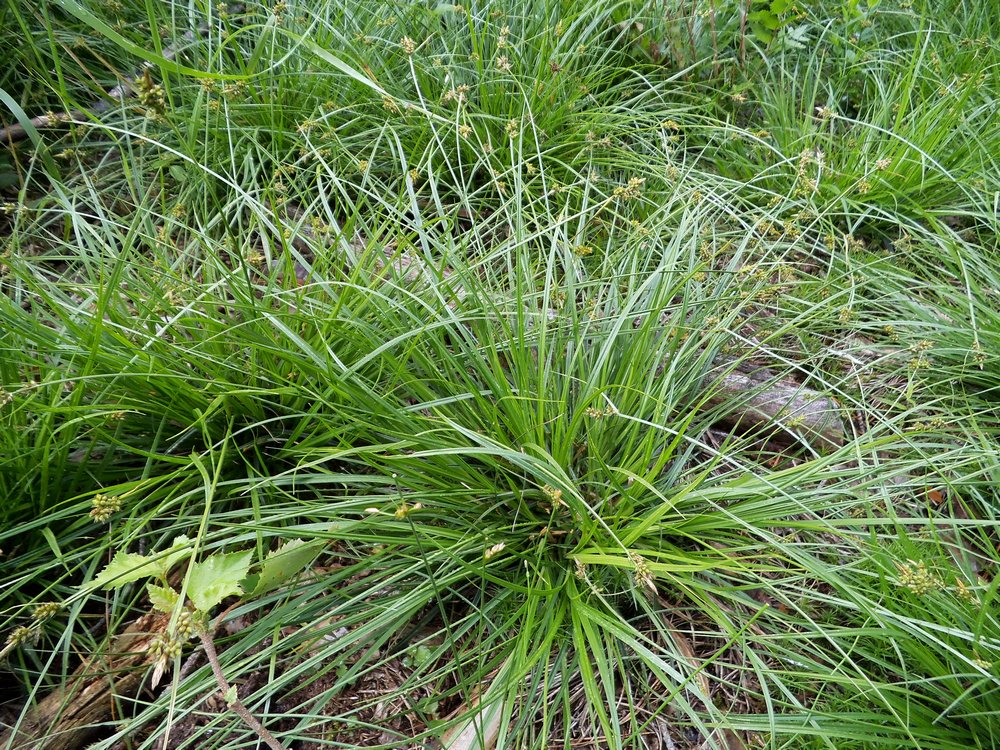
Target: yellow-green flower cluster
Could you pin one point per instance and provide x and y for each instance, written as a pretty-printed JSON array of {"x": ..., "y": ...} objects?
[
  {"x": 641, "y": 573},
  {"x": 46, "y": 611},
  {"x": 406, "y": 509},
  {"x": 457, "y": 93},
  {"x": 630, "y": 190},
  {"x": 553, "y": 495},
  {"x": 915, "y": 576},
  {"x": 165, "y": 648},
  {"x": 151, "y": 96},
  {"x": 21, "y": 635},
  {"x": 104, "y": 506},
  {"x": 502, "y": 41}
]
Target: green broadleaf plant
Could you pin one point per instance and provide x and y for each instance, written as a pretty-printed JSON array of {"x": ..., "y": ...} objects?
[
  {"x": 217, "y": 577},
  {"x": 208, "y": 582},
  {"x": 126, "y": 567},
  {"x": 280, "y": 565},
  {"x": 211, "y": 580}
]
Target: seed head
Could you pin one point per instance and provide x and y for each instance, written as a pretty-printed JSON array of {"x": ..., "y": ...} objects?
[
  {"x": 405, "y": 509},
  {"x": 631, "y": 190},
  {"x": 46, "y": 611},
  {"x": 104, "y": 506},
  {"x": 915, "y": 576},
  {"x": 553, "y": 494},
  {"x": 964, "y": 592},
  {"x": 641, "y": 573},
  {"x": 151, "y": 95},
  {"x": 22, "y": 635}
]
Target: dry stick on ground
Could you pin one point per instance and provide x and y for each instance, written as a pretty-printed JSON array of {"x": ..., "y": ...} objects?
[
  {"x": 68, "y": 718},
  {"x": 122, "y": 91},
  {"x": 230, "y": 697}
]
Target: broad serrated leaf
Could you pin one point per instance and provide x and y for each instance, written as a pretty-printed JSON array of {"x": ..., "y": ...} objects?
[
  {"x": 177, "y": 552},
  {"x": 761, "y": 32},
  {"x": 766, "y": 19},
  {"x": 217, "y": 577},
  {"x": 162, "y": 598},
  {"x": 283, "y": 563},
  {"x": 797, "y": 36},
  {"x": 125, "y": 567}
]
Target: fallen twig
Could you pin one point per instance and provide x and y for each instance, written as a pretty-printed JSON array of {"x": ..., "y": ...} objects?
[
  {"x": 68, "y": 718},
  {"x": 229, "y": 694}
]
